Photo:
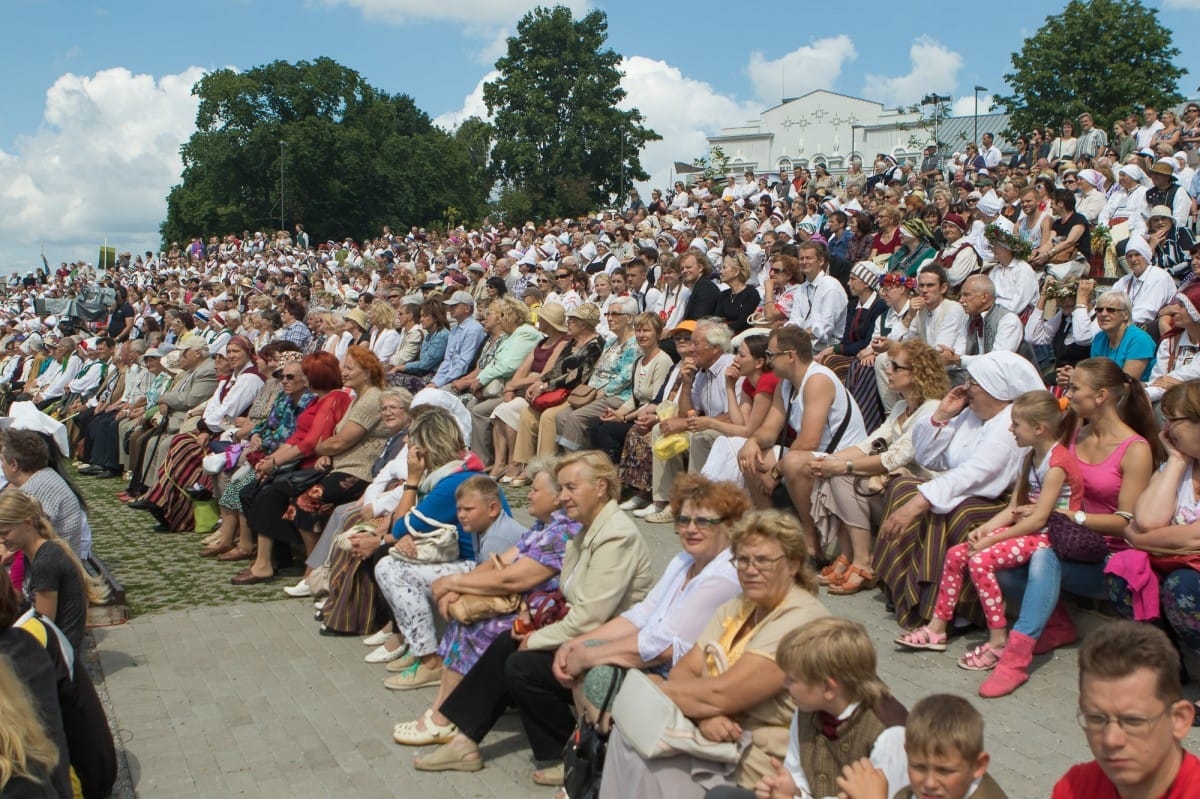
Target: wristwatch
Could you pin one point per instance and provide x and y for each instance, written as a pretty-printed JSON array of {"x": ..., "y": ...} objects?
[
  {"x": 1080, "y": 517},
  {"x": 849, "y": 467}
]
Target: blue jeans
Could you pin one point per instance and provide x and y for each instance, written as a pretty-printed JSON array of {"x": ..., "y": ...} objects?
[{"x": 1038, "y": 583}]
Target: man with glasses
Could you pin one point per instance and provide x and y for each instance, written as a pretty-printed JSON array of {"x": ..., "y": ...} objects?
[{"x": 1134, "y": 716}]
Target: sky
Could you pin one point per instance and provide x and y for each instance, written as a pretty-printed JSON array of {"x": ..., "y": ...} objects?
[{"x": 97, "y": 93}]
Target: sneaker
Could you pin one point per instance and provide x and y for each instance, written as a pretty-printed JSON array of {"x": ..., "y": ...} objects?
[
  {"x": 418, "y": 675},
  {"x": 319, "y": 604},
  {"x": 298, "y": 590},
  {"x": 663, "y": 516},
  {"x": 642, "y": 513},
  {"x": 379, "y": 638},
  {"x": 381, "y": 654},
  {"x": 634, "y": 503}
]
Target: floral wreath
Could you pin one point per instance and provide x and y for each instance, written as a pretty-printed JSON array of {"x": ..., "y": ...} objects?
[{"x": 1015, "y": 244}]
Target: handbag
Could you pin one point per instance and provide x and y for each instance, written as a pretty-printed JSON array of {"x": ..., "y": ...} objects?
[
  {"x": 438, "y": 545},
  {"x": 583, "y": 757},
  {"x": 293, "y": 484},
  {"x": 549, "y": 399},
  {"x": 470, "y": 608},
  {"x": 655, "y": 727},
  {"x": 582, "y": 395},
  {"x": 1072, "y": 541}
]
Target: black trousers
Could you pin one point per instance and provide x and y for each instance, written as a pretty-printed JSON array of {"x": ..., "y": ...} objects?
[
  {"x": 609, "y": 438},
  {"x": 528, "y": 681},
  {"x": 99, "y": 433}
]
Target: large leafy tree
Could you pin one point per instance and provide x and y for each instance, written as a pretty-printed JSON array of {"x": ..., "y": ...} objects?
[
  {"x": 562, "y": 145},
  {"x": 1100, "y": 56},
  {"x": 353, "y": 157}
]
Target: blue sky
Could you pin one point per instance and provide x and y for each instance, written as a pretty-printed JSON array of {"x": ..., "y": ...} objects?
[{"x": 96, "y": 97}]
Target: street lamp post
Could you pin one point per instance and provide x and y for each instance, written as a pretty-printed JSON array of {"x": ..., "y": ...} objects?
[
  {"x": 850, "y": 159},
  {"x": 282, "y": 147},
  {"x": 936, "y": 101},
  {"x": 978, "y": 89}
]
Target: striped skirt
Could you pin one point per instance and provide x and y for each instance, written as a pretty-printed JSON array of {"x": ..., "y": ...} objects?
[
  {"x": 909, "y": 564},
  {"x": 182, "y": 467},
  {"x": 859, "y": 380}
]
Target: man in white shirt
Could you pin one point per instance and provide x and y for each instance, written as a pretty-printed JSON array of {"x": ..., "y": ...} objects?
[
  {"x": 648, "y": 298},
  {"x": 820, "y": 303},
  {"x": 1145, "y": 134},
  {"x": 939, "y": 322},
  {"x": 1016, "y": 285},
  {"x": 991, "y": 153},
  {"x": 1148, "y": 287}
]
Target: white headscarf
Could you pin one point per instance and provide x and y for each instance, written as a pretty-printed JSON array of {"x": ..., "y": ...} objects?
[
  {"x": 1005, "y": 375},
  {"x": 1093, "y": 178},
  {"x": 1135, "y": 172},
  {"x": 1135, "y": 243}
]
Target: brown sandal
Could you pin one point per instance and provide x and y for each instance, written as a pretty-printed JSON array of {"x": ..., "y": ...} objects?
[
  {"x": 834, "y": 572},
  {"x": 854, "y": 580},
  {"x": 216, "y": 550},
  {"x": 236, "y": 554}
]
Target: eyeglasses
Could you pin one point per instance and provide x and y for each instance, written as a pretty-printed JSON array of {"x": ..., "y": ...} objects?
[
  {"x": 773, "y": 353},
  {"x": 1177, "y": 419},
  {"x": 701, "y": 522},
  {"x": 562, "y": 277},
  {"x": 1109, "y": 309},
  {"x": 277, "y": 374},
  {"x": 1133, "y": 726},
  {"x": 775, "y": 271},
  {"x": 615, "y": 313},
  {"x": 286, "y": 376},
  {"x": 899, "y": 367},
  {"x": 761, "y": 563}
]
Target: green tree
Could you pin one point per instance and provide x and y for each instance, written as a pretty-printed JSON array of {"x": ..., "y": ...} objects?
[
  {"x": 562, "y": 145},
  {"x": 1099, "y": 56},
  {"x": 352, "y": 157}
]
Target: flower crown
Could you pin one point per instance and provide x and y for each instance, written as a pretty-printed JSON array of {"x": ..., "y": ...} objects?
[
  {"x": 895, "y": 279},
  {"x": 1018, "y": 246}
]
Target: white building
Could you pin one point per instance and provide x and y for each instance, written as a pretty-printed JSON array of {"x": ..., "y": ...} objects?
[{"x": 830, "y": 128}]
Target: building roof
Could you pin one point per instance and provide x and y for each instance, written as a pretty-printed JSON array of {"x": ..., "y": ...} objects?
[{"x": 956, "y": 132}]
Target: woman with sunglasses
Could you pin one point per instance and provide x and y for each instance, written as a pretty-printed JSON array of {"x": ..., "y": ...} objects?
[{"x": 655, "y": 633}]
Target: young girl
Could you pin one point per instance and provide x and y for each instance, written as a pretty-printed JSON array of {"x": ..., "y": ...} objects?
[{"x": 1050, "y": 482}]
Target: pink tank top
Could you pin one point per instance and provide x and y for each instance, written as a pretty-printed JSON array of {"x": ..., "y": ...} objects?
[{"x": 1102, "y": 481}]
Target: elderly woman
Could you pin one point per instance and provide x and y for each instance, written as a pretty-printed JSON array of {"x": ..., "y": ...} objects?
[
  {"x": 515, "y": 339},
  {"x": 845, "y": 501},
  {"x": 738, "y": 688},
  {"x": 1170, "y": 243},
  {"x": 347, "y": 456},
  {"x": 25, "y": 456},
  {"x": 1175, "y": 362},
  {"x": 611, "y": 380},
  {"x": 1150, "y": 581},
  {"x": 967, "y": 439},
  {"x": 536, "y": 433},
  {"x": 167, "y": 498},
  {"x": 529, "y": 567},
  {"x": 606, "y": 569},
  {"x": 1127, "y": 202},
  {"x": 656, "y": 633},
  {"x": 783, "y": 282},
  {"x": 408, "y": 346},
  {"x": 738, "y": 302},
  {"x": 887, "y": 238},
  {"x": 1118, "y": 339},
  {"x": 266, "y": 438},
  {"x": 650, "y": 371},
  {"x": 504, "y": 418},
  {"x": 1117, "y": 447}
]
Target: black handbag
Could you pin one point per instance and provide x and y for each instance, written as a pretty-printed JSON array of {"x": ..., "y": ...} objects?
[
  {"x": 1072, "y": 541},
  {"x": 583, "y": 758},
  {"x": 299, "y": 481}
]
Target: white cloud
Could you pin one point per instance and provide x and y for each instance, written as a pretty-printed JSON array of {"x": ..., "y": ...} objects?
[
  {"x": 99, "y": 166},
  {"x": 680, "y": 109},
  {"x": 813, "y": 66},
  {"x": 965, "y": 106},
  {"x": 475, "y": 14},
  {"x": 934, "y": 69},
  {"x": 473, "y": 106}
]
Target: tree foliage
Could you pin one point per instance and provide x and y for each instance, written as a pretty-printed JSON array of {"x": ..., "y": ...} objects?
[
  {"x": 562, "y": 145},
  {"x": 1099, "y": 56},
  {"x": 355, "y": 158}
]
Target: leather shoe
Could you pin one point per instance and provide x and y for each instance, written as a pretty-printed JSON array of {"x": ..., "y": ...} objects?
[
  {"x": 234, "y": 555},
  {"x": 90, "y": 469},
  {"x": 141, "y": 504},
  {"x": 162, "y": 527},
  {"x": 247, "y": 577},
  {"x": 107, "y": 474}
]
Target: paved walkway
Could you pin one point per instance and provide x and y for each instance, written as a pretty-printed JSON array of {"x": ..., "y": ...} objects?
[{"x": 248, "y": 700}]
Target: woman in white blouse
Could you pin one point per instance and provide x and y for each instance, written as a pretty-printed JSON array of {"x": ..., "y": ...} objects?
[
  {"x": 848, "y": 491},
  {"x": 1127, "y": 203},
  {"x": 656, "y": 632},
  {"x": 384, "y": 336}
]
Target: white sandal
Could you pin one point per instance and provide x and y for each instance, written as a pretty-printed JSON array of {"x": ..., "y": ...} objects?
[
  {"x": 414, "y": 733},
  {"x": 378, "y": 639}
]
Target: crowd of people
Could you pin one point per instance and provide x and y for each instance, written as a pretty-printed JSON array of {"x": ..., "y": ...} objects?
[{"x": 975, "y": 367}]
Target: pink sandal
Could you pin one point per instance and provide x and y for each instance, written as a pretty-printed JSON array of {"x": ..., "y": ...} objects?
[
  {"x": 923, "y": 638},
  {"x": 981, "y": 658}
]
